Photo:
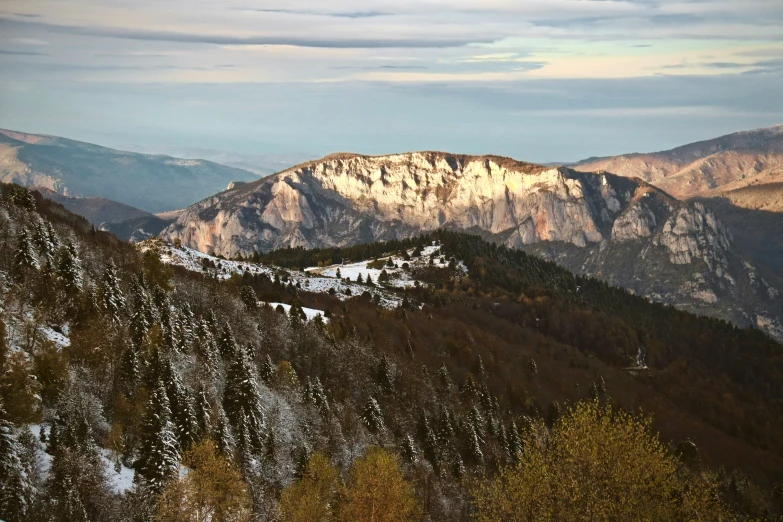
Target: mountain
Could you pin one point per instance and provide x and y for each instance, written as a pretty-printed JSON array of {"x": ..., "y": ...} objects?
[
  {"x": 711, "y": 167},
  {"x": 622, "y": 230},
  {"x": 261, "y": 164},
  {"x": 153, "y": 183},
  {"x": 121, "y": 364},
  {"x": 122, "y": 220}
]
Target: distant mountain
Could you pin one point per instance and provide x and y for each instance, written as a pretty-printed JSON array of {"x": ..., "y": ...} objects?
[
  {"x": 153, "y": 183},
  {"x": 711, "y": 167},
  {"x": 124, "y": 221},
  {"x": 261, "y": 164},
  {"x": 622, "y": 230}
]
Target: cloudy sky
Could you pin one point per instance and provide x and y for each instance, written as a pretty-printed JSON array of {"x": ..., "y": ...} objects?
[{"x": 540, "y": 80}]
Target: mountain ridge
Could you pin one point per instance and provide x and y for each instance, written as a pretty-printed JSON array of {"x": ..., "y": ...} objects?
[
  {"x": 152, "y": 183},
  {"x": 621, "y": 229},
  {"x": 724, "y": 163}
]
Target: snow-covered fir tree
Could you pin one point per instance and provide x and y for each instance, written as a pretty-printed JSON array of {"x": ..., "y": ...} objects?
[
  {"x": 158, "y": 455},
  {"x": 16, "y": 491},
  {"x": 372, "y": 416},
  {"x": 241, "y": 398},
  {"x": 25, "y": 258},
  {"x": 113, "y": 301}
]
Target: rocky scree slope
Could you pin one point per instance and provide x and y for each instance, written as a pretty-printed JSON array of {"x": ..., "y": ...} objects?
[
  {"x": 622, "y": 230},
  {"x": 705, "y": 168}
]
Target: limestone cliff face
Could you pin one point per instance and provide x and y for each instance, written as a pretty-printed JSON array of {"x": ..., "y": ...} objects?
[
  {"x": 361, "y": 198},
  {"x": 617, "y": 228}
]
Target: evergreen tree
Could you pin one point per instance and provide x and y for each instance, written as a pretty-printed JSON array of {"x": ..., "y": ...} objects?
[
  {"x": 384, "y": 375},
  {"x": 248, "y": 297},
  {"x": 24, "y": 259},
  {"x": 224, "y": 440},
  {"x": 206, "y": 347},
  {"x": 113, "y": 301},
  {"x": 130, "y": 369},
  {"x": 68, "y": 269},
  {"x": 42, "y": 242},
  {"x": 241, "y": 399},
  {"x": 408, "y": 450},
  {"x": 203, "y": 412},
  {"x": 514, "y": 442},
  {"x": 458, "y": 467},
  {"x": 267, "y": 370},
  {"x": 371, "y": 416},
  {"x": 444, "y": 379},
  {"x": 319, "y": 397},
  {"x": 227, "y": 345},
  {"x": 16, "y": 492},
  {"x": 474, "y": 446},
  {"x": 446, "y": 431},
  {"x": 183, "y": 416},
  {"x": 158, "y": 455}
]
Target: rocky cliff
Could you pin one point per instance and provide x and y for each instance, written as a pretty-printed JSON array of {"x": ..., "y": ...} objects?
[{"x": 617, "y": 228}]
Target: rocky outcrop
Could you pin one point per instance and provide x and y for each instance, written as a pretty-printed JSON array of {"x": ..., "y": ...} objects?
[{"x": 623, "y": 230}]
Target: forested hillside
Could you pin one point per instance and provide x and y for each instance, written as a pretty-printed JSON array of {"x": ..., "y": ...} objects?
[{"x": 134, "y": 390}]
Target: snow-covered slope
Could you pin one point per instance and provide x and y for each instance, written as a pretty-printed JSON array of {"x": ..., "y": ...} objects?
[{"x": 315, "y": 279}]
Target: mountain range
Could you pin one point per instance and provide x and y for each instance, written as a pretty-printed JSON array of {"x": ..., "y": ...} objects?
[
  {"x": 708, "y": 168},
  {"x": 153, "y": 183},
  {"x": 715, "y": 251},
  {"x": 620, "y": 229}
]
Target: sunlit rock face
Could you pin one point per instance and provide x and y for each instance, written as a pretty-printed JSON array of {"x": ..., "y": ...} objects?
[
  {"x": 620, "y": 229},
  {"x": 359, "y": 198}
]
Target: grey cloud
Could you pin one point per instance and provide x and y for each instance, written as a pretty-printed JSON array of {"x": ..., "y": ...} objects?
[
  {"x": 349, "y": 14},
  {"x": 336, "y": 43},
  {"x": 22, "y": 53}
]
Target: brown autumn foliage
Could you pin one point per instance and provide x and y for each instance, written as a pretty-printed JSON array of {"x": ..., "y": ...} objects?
[
  {"x": 212, "y": 490},
  {"x": 597, "y": 464}
]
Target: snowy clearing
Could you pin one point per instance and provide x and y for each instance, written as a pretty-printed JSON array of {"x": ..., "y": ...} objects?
[
  {"x": 314, "y": 279},
  {"x": 311, "y": 313}
]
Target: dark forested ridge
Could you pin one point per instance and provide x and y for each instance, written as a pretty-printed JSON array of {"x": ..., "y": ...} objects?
[{"x": 483, "y": 397}]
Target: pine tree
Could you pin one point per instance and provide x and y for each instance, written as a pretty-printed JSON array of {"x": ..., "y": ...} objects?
[
  {"x": 24, "y": 259},
  {"x": 51, "y": 236},
  {"x": 183, "y": 416},
  {"x": 42, "y": 242},
  {"x": 458, "y": 467},
  {"x": 384, "y": 375},
  {"x": 444, "y": 379},
  {"x": 248, "y": 297},
  {"x": 446, "y": 431},
  {"x": 113, "y": 301},
  {"x": 227, "y": 345},
  {"x": 68, "y": 269},
  {"x": 159, "y": 458},
  {"x": 267, "y": 370},
  {"x": 514, "y": 442},
  {"x": 474, "y": 446},
  {"x": 224, "y": 440},
  {"x": 130, "y": 369},
  {"x": 203, "y": 412},
  {"x": 206, "y": 347},
  {"x": 319, "y": 397},
  {"x": 241, "y": 398},
  {"x": 372, "y": 417},
  {"x": 408, "y": 450},
  {"x": 15, "y": 489}
]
